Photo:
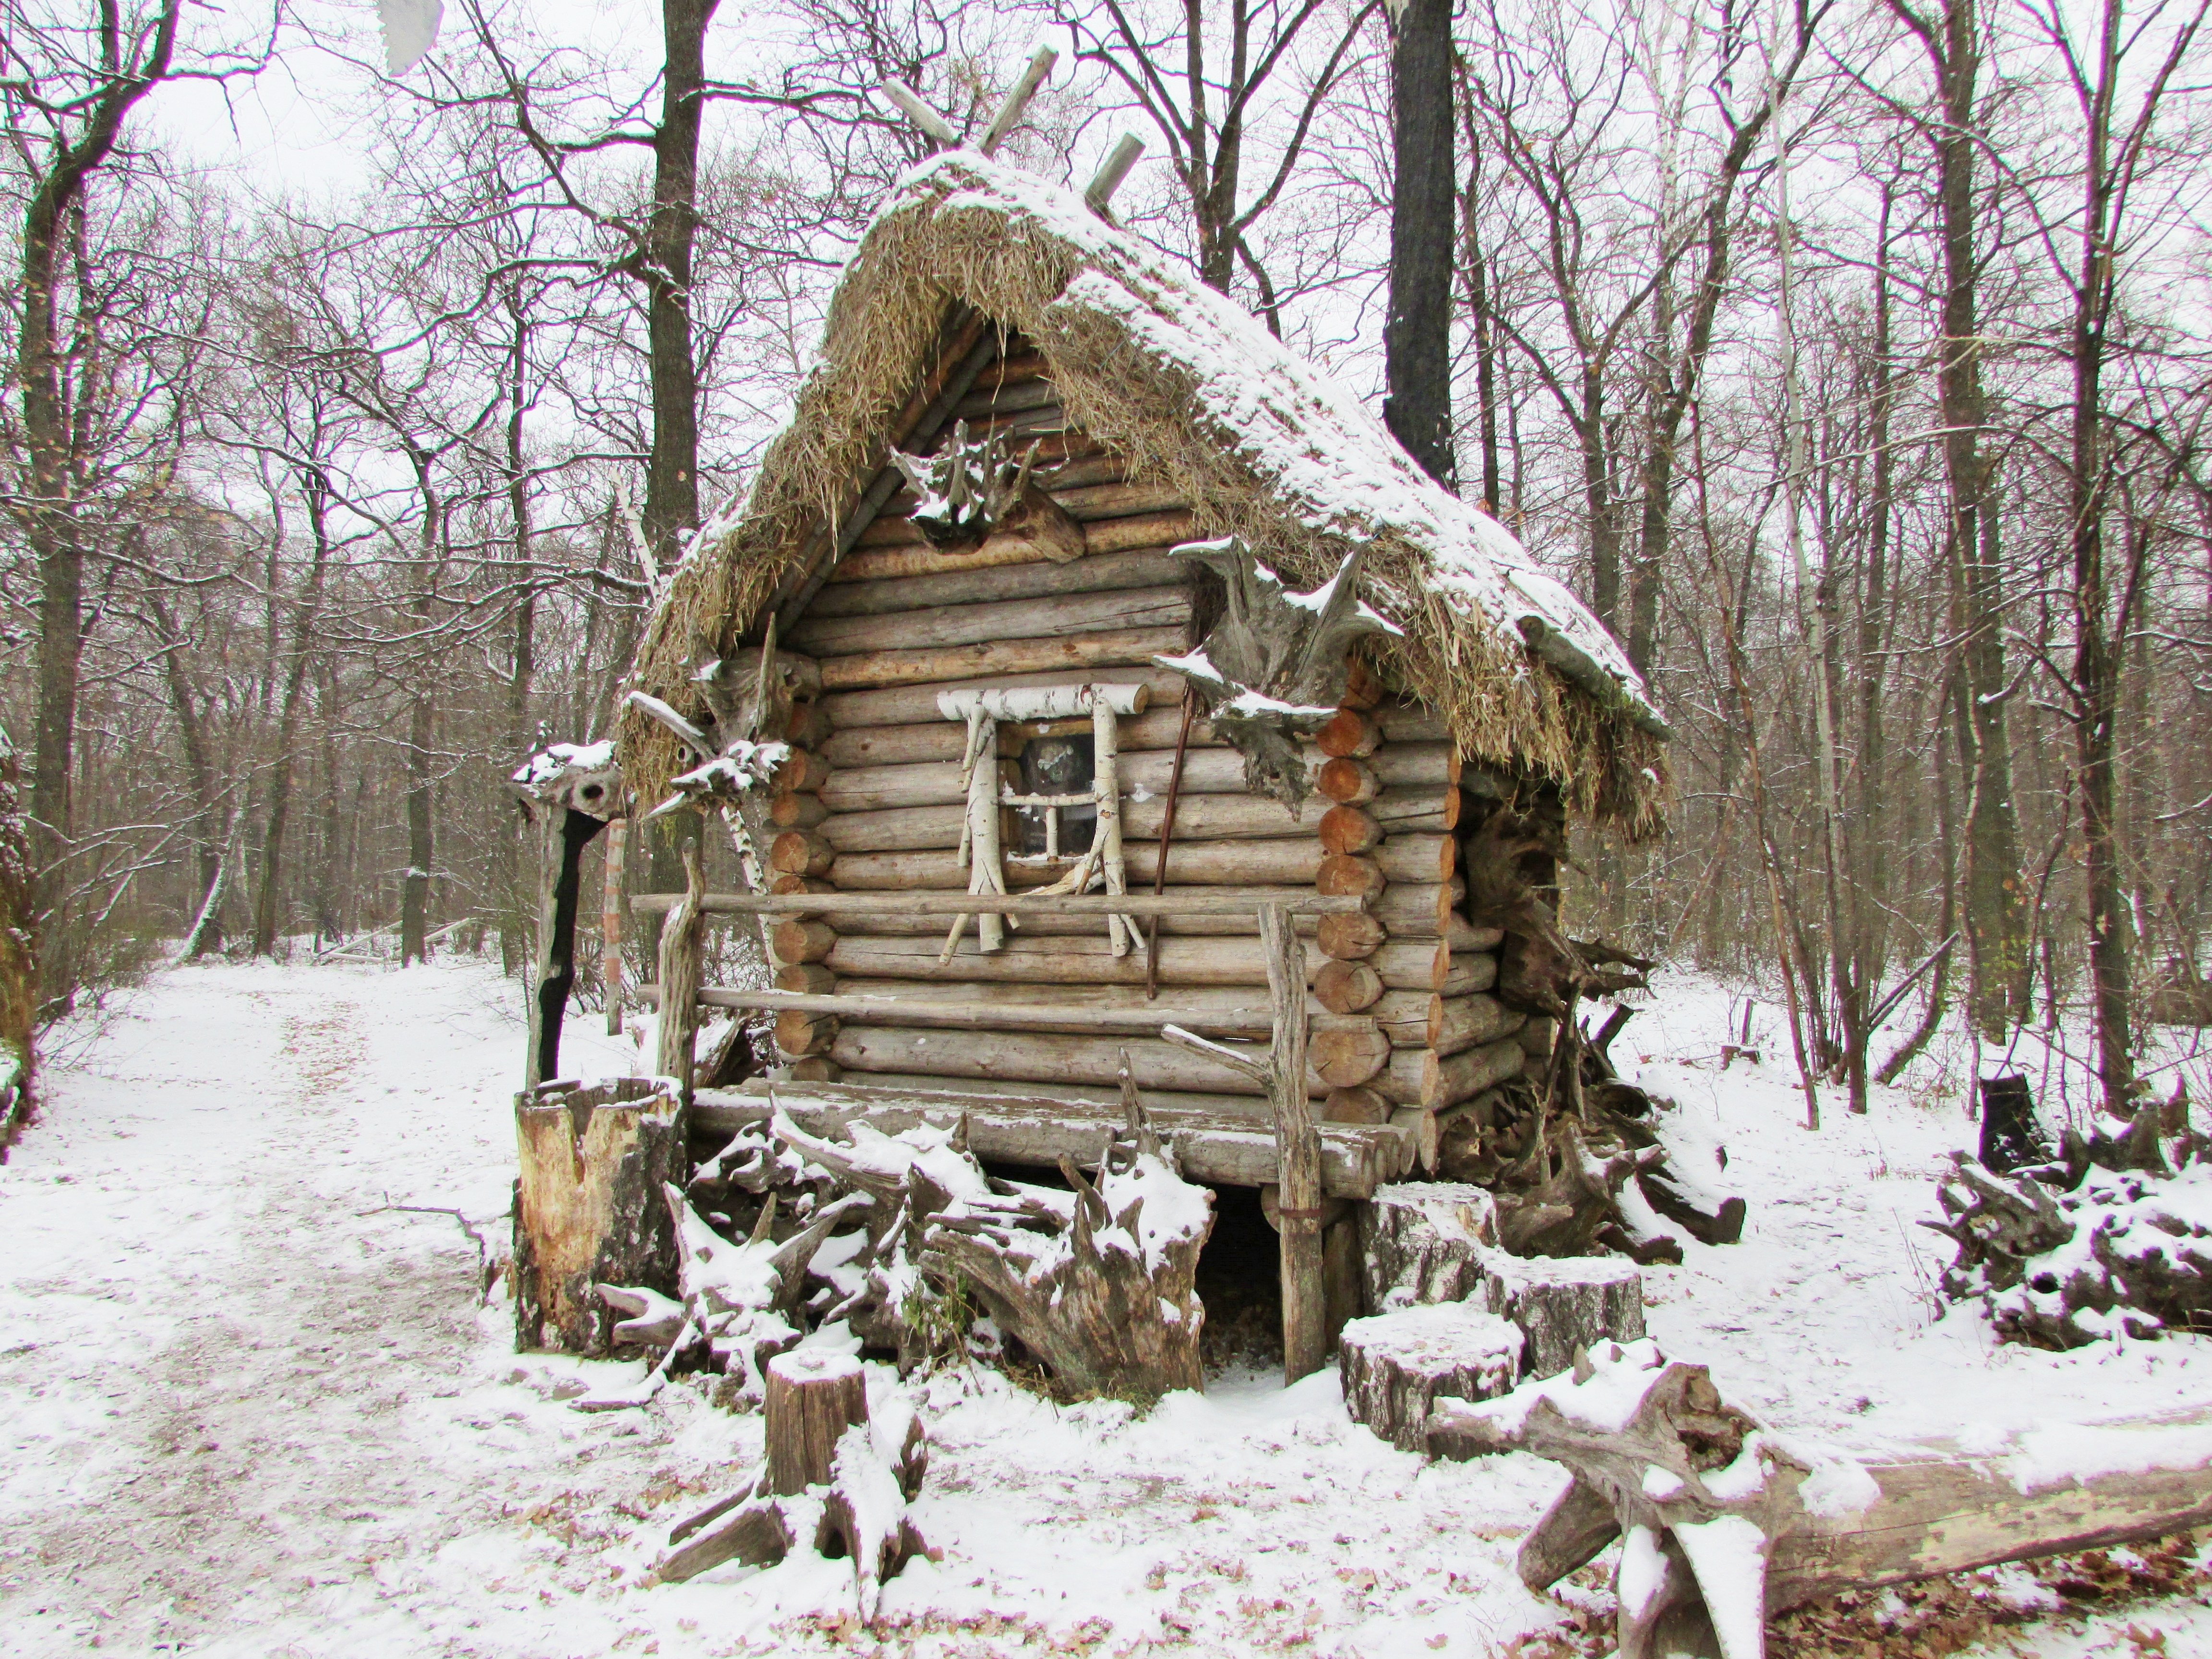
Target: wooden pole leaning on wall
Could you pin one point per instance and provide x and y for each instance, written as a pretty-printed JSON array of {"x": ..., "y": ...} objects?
[{"x": 682, "y": 940}]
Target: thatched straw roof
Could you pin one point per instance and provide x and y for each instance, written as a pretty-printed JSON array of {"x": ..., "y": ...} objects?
[{"x": 1197, "y": 396}]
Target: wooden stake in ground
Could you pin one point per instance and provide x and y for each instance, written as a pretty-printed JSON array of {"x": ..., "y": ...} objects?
[
  {"x": 611, "y": 925},
  {"x": 682, "y": 939}
]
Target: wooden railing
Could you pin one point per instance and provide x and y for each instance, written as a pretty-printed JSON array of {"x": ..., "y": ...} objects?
[{"x": 1281, "y": 1068}]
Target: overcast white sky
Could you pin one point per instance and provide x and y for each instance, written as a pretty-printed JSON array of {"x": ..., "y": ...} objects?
[{"x": 309, "y": 122}]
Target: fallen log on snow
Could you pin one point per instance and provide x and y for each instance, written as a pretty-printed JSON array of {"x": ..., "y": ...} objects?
[{"x": 1725, "y": 1523}]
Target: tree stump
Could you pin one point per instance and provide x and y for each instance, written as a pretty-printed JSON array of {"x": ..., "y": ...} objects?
[
  {"x": 813, "y": 1397},
  {"x": 1567, "y": 1305},
  {"x": 589, "y": 1205},
  {"x": 1424, "y": 1242},
  {"x": 2011, "y": 1138},
  {"x": 1395, "y": 1365}
]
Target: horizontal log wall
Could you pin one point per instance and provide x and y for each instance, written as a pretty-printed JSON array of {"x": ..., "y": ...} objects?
[{"x": 878, "y": 806}]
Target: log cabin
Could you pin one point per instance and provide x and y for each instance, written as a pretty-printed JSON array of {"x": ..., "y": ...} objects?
[{"x": 1082, "y": 655}]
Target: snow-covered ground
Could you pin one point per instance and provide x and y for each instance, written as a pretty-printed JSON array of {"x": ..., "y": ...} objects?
[{"x": 253, "y": 1404}]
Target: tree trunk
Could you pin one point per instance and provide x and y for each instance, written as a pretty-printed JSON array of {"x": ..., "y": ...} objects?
[
  {"x": 1417, "y": 332},
  {"x": 663, "y": 266},
  {"x": 1997, "y": 900}
]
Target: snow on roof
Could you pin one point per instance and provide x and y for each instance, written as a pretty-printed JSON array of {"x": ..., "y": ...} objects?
[{"x": 1193, "y": 393}]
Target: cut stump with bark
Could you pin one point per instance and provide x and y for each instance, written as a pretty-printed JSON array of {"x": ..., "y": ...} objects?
[
  {"x": 1426, "y": 1240},
  {"x": 1397, "y": 1365},
  {"x": 1564, "y": 1306},
  {"x": 837, "y": 1482},
  {"x": 593, "y": 1162},
  {"x": 812, "y": 1398}
]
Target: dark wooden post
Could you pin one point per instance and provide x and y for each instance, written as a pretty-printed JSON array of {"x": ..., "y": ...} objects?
[
  {"x": 569, "y": 794},
  {"x": 1298, "y": 1149},
  {"x": 562, "y": 835}
]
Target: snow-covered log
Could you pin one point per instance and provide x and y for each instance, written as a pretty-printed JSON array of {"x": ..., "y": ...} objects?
[{"x": 1724, "y": 1523}]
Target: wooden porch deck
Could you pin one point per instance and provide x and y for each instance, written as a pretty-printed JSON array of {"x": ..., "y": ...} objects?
[{"x": 1218, "y": 1149}]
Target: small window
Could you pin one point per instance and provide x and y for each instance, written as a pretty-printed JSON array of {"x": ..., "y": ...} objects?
[{"x": 1057, "y": 765}]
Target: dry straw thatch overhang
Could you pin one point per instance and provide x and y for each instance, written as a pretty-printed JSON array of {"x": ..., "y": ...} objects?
[{"x": 1198, "y": 397}]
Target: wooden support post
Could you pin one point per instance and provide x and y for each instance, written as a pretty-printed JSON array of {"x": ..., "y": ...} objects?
[
  {"x": 562, "y": 835},
  {"x": 1297, "y": 1150},
  {"x": 1111, "y": 171},
  {"x": 610, "y": 924},
  {"x": 681, "y": 939}
]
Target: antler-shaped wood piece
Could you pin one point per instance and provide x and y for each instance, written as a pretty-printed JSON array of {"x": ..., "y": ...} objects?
[{"x": 1274, "y": 668}]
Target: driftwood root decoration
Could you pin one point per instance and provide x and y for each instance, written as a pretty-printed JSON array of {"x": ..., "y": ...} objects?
[
  {"x": 1724, "y": 1524},
  {"x": 1274, "y": 668},
  {"x": 838, "y": 1481},
  {"x": 2124, "y": 1252},
  {"x": 753, "y": 699},
  {"x": 975, "y": 488},
  {"x": 739, "y": 1301}
]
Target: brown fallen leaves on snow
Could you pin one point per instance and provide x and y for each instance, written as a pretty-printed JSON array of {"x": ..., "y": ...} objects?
[{"x": 1936, "y": 1618}]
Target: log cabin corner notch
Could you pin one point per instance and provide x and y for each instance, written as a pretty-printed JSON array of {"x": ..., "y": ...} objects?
[{"x": 1116, "y": 411}]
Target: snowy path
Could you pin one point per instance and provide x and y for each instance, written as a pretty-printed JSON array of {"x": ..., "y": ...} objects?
[
  {"x": 235, "y": 1402},
  {"x": 249, "y": 1409}
]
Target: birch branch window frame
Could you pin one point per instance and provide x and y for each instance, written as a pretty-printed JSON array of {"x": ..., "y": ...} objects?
[{"x": 1054, "y": 710}]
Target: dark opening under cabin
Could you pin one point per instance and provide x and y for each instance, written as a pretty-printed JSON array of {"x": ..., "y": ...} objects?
[{"x": 1103, "y": 703}]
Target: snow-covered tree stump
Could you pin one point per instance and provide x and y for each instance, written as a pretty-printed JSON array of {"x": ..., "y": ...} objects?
[
  {"x": 836, "y": 1481},
  {"x": 1566, "y": 1305},
  {"x": 1424, "y": 1241},
  {"x": 1724, "y": 1524},
  {"x": 1097, "y": 1283},
  {"x": 1396, "y": 1365},
  {"x": 587, "y": 1209},
  {"x": 813, "y": 1398}
]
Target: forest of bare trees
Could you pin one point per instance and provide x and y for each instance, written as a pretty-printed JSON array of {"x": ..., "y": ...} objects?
[{"x": 1853, "y": 359}]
